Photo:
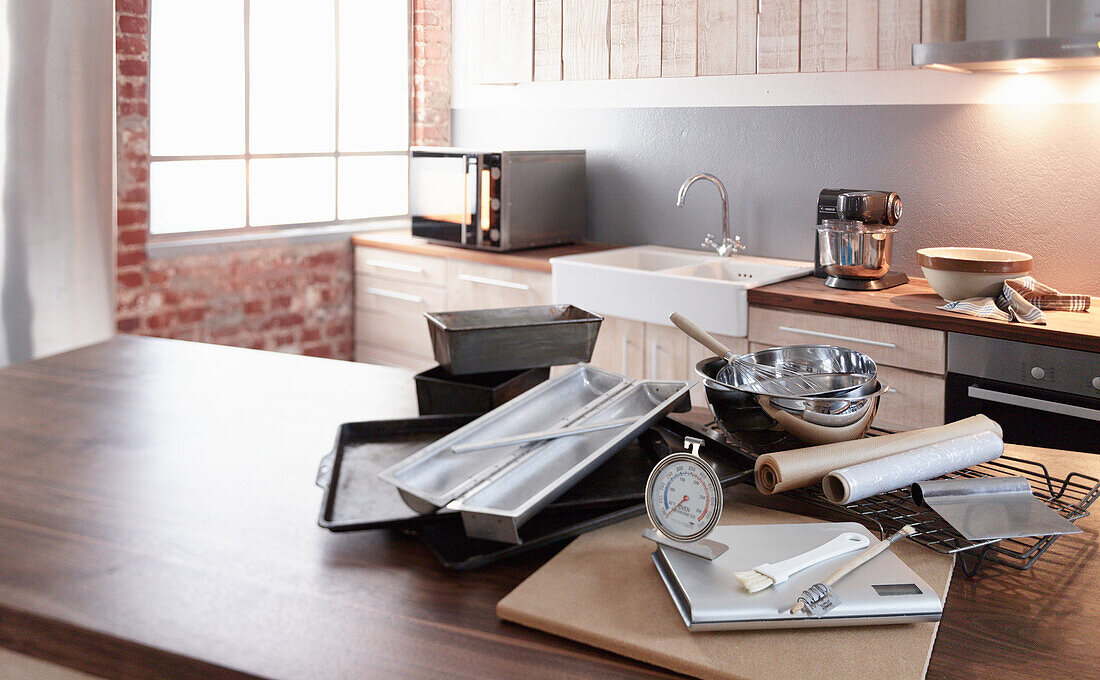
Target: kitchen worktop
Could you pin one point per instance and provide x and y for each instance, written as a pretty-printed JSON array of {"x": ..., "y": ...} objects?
[
  {"x": 915, "y": 304},
  {"x": 535, "y": 259},
  {"x": 158, "y": 520}
]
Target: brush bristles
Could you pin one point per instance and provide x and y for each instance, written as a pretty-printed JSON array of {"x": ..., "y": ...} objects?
[{"x": 754, "y": 581}]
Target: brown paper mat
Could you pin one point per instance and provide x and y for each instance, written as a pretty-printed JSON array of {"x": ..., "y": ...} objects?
[
  {"x": 794, "y": 469},
  {"x": 603, "y": 590}
]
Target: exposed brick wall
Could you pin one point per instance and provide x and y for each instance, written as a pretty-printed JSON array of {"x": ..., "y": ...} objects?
[
  {"x": 431, "y": 99},
  {"x": 294, "y": 299}
]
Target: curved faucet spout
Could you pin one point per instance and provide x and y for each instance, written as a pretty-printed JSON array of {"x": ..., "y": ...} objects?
[{"x": 729, "y": 245}]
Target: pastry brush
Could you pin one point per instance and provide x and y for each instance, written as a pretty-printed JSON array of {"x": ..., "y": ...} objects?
[
  {"x": 859, "y": 560},
  {"x": 767, "y": 575}
]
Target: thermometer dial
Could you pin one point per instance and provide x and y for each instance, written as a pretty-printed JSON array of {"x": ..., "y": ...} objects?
[{"x": 683, "y": 497}]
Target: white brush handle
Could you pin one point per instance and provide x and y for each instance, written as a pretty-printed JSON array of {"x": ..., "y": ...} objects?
[{"x": 844, "y": 543}]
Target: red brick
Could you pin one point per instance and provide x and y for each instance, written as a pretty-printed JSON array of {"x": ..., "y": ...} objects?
[
  {"x": 128, "y": 324},
  {"x": 284, "y": 340},
  {"x": 191, "y": 314},
  {"x": 130, "y": 237},
  {"x": 253, "y": 307},
  {"x": 133, "y": 67},
  {"x": 337, "y": 328},
  {"x": 127, "y": 258},
  {"x": 132, "y": 6},
  {"x": 280, "y": 302},
  {"x": 132, "y": 91},
  {"x": 128, "y": 217},
  {"x": 131, "y": 45},
  {"x": 131, "y": 24},
  {"x": 345, "y": 348},
  {"x": 158, "y": 321},
  {"x": 311, "y": 335},
  {"x": 318, "y": 350},
  {"x": 134, "y": 194},
  {"x": 130, "y": 279},
  {"x": 157, "y": 277}
]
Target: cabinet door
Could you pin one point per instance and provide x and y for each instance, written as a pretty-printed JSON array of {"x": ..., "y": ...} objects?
[
  {"x": 480, "y": 286},
  {"x": 620, "y": 347},
  {"x": 666, "y": 353}
]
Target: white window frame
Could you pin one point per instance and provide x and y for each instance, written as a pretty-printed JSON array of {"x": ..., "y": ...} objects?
[{"x": 249, "y": 232}]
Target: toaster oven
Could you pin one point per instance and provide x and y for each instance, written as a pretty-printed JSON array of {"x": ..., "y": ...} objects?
[{"x": 497, "y": 200}]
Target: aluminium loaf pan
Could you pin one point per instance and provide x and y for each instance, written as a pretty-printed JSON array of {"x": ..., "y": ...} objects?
[{"x": 512, "y": 338}]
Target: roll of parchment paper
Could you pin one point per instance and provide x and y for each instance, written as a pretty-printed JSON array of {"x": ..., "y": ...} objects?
[
  {"x": 855, "y": 483},
  {"x": 786, "y": 470}
]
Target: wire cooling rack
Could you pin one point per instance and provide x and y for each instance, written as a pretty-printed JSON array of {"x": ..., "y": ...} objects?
[{"x": 1069, "y": 496}]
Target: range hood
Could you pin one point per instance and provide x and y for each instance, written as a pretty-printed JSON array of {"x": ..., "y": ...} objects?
[
  {"x": 1012, "y": 36},
  {"x": 1011, "y": 56}
]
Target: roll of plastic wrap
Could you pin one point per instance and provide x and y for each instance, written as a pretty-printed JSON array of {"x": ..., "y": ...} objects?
[
  {"x": 855, "y": 483},
  {"x": 786, "y": 470}
]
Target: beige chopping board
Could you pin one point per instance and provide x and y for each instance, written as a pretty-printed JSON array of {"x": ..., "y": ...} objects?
[{"x": 604, "y": 590}]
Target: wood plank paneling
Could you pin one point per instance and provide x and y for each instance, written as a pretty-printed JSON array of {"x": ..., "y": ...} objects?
[
  {"x": 516, "y": 28},
  {"x": 679, "y": 19},
  {"x": 547, "y": 40},
  {"x": 624, "y": 38},
  {"x": 649, "y": 38},
  {"x": 491, "y": 68},
  {"x": 862, "y": 35},
  {"x": 943, "y": 20},
  {"x": 898, "y": 29},
  {"x": 777, "y": 41},
  {"x": 475, "y": 54},
  {"x": 746, "y": 36},
  {"x": 586, "y": 39},
  {"x": 824, "y": 43},
  {"x": 635, "y": 38},
  {"x": 717, "y": 37}
]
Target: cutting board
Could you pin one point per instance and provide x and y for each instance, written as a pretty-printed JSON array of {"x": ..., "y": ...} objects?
[{"x": 603, "y": 590}]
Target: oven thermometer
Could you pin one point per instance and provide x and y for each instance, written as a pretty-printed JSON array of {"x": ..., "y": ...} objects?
[{"x": 683, "y": 498}]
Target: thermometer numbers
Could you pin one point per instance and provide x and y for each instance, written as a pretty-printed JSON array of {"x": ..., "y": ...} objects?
[{"x": 683, "y": 497}]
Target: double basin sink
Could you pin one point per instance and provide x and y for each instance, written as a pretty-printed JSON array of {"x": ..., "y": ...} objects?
[{"x": 647, "y": 283}]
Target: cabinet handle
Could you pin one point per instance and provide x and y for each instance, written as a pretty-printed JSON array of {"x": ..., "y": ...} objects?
[
  {"x": 393, "y": 295},
  {"x": 493, "y": 282},
  {"x": 1033, "y": 403},
  {"x": 626, "y": 348},
  {"x": 834, "y": 336},
  {"x": 381, "y": 264}
]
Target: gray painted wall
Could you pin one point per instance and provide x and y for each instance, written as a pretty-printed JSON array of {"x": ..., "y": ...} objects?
[{"x": 1023, "y": 177}]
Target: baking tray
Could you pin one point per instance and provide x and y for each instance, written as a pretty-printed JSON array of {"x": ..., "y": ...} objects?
[
  {"x": 485, "y": 340},
  {"x": 499, "y": 489},
  {"x": 437, "y": 391},
  {"x": 612, "y": 493}
]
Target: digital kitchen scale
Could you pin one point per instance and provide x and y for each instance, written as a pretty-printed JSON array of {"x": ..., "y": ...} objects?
[{"x": 709, "y": 597}]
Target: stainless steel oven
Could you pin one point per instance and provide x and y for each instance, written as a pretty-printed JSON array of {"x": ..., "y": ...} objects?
[
  {"x": 1041, "y": 396},
  {"x": 497, "y": 200}
]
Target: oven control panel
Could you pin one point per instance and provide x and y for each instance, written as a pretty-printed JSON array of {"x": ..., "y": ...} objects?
[{"x": 1020, "y": 363}]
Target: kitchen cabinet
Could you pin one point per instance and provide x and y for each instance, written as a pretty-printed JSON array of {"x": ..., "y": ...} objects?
[
  {"x": 911, "y": 360},
  {"x": 394, "y": 289},
  {"x": 620, "y": 346}
]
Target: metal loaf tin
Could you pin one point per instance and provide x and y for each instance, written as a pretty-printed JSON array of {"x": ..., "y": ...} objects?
[
  {"x": 512, "y": 338},
  {"x": 437, "y": 391},
  {"x": 497, "y": 490}
]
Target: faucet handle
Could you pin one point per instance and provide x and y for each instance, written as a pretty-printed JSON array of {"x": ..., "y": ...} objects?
[
  {"x": 710, "y": 242},
  {"x": 737, "y": 246}
]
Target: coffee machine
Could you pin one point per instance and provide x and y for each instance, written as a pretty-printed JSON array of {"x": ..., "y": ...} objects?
[{"x": 857, "y": 228}]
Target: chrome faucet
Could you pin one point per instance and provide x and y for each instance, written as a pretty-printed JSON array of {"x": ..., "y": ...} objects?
[{"x": 728, "y": 246}]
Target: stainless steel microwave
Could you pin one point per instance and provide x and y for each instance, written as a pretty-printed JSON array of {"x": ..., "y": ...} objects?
[{"x": 497, "y": 200}]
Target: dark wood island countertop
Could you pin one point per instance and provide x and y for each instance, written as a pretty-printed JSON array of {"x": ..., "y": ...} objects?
[
  {"x": 915, "y": 304},
  {"x": 158, "y": 520}
]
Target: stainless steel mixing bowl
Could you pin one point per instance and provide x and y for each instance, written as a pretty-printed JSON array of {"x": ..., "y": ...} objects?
[
  {"x": 857, "y": 253},
  {"x": 836, "y": 370}
]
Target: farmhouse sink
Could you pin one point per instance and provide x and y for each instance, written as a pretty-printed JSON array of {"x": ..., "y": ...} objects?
[{"x": 647, "y": 283}]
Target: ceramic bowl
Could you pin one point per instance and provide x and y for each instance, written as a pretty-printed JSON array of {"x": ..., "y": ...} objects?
[{"x": 961, "y": 273}]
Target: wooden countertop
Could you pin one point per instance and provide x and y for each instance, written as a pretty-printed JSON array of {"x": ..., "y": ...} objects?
[
  {"x": 915, "y": 304},
  {"x": 535, "y": 259},
  {"x": 158, "y": 520}
]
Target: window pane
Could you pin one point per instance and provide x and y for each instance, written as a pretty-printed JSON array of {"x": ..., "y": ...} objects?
[
  {"x": 292, "y": 66},
  {"x": 373, "y": 186},
  {"x": 374, "y": 75},
  {"x": 195, "y": 195},
  {"x": 291, "y": 190},
  {"x": 196, "y": 98}
]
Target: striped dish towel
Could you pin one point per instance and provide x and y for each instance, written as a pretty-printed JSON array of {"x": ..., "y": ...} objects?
[{"x": 1023, "y": 300}]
